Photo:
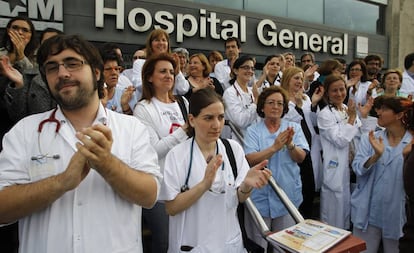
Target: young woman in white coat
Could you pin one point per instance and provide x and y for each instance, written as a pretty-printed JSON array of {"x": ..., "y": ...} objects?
[
  {"x": 338, "y": 124},
  {"x": 239, "y": 98},
  {"x": 161, "y": 113},
  {"x": 200, "y": 191}
]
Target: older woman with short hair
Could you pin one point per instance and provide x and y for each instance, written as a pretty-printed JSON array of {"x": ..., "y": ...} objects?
[{"x": 283, "y": 143}]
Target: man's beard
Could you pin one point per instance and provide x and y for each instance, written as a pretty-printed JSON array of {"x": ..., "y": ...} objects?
[{"x": 81, "y": 97}]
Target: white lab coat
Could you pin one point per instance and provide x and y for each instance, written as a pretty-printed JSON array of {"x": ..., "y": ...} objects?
[
  {"x": 407, "y": 85},
  {"x": 336, "y": 135},
  {"x": 240, "y": 107},
  {"x": 222, "y": 72},
  {"x": 210, "y": 224},
  {"x": 92, "y": 217}
]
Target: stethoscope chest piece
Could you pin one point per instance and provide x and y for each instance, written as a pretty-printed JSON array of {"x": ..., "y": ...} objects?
[{"x": 184, "y": 188}]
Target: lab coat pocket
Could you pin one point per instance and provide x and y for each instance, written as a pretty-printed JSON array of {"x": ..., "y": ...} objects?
[
  {"x": 332, "y": 178},
  {"x": 235, "y": 245}
]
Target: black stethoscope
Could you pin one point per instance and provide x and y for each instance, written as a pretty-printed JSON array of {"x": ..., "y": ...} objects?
[
  {"x": 51, "y": 119},
  {"x": 185, "y": 187},
  {"x": 238, "y": 93}
]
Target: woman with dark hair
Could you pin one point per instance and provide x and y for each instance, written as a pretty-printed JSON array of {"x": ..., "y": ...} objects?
[
  {"x": 200, "y": 190},
  {"x": 19, "y": 43},
  {"x": 161, "y": 112},
  {"x": 239, "y": 98},
  {"x": 378, "y": 199},
  {"x": 357, "y": 83},
  {"x": 271, "y": 74},
  {"x": 338, "y": 125},
  {"x": 284, "y": 144},
  {"x": 199, "y": 70}
]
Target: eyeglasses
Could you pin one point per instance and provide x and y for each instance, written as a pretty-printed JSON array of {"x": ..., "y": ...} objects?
[
  {"x": 115, "y": 68},
  {"x": 138, "y": 57},
  {"x": 274, "y": 103},
  {"x": 373, "y": 63},
  {"x": 355, "y": 69},
  {"x": 71, "y": 64},
  {"x": 20, "y": 29},
  {"x": 245, "y": 67}
]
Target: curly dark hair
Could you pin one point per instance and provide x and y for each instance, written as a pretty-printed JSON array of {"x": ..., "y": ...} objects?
[{"x": 58, "y": 43}]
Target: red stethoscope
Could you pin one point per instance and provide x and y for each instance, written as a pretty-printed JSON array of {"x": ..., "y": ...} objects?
[{"x": 51, "y": 119}]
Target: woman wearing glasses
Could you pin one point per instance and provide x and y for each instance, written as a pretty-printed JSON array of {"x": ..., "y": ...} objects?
[
  {"x": 200, "y": 191},
  {"x": 239, "y": 98},
  {"x": 19, "y": 43},
  {"x": 117, "y": 98},
  {"x": 358, "y": 85},
  {"x": 283, "y": 143}
]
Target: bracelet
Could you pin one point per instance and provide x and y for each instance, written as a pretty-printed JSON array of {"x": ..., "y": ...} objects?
[
  {"x": 241, "y": 191},
  {"x": 292, "y": 147}
]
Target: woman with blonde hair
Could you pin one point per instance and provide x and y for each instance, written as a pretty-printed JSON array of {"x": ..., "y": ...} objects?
[
  {"x": 198, "y": 75},
  {"x": 158, "y": 42},
  {"x": 300, "y": 112}
]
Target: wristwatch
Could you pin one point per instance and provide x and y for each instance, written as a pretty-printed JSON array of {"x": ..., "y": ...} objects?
[{"x": 290, "y": 147}]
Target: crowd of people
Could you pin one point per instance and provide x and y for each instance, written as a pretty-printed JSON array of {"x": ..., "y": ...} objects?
[{"x": 90, "y": 149}]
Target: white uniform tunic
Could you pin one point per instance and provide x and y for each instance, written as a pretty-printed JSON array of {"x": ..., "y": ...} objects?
[
  {"x": 92, "y": 217},
  {"x": 336, "y": 136},
  {"x": 210, "y": 224}
]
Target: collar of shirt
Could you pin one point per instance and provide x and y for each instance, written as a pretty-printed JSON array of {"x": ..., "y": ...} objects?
[
  {"x": 101, "y": 116},
  {"x": 411, "y": 74}
]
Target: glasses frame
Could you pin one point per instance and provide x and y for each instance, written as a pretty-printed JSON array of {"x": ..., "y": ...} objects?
[
  {"x": 246, "y": 67},
  {"x": 66, "y": 63}
]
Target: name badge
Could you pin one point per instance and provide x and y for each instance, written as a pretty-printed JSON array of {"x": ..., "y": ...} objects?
[{"x": 41, "y": 169}]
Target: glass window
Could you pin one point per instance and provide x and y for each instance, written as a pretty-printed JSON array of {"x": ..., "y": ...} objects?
[
  {"x": 352, "y": 15},
  {"x": 233, "y": 4},
  {"x": 305, "y": 10},
  {"x": 270, "y": 7}
]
